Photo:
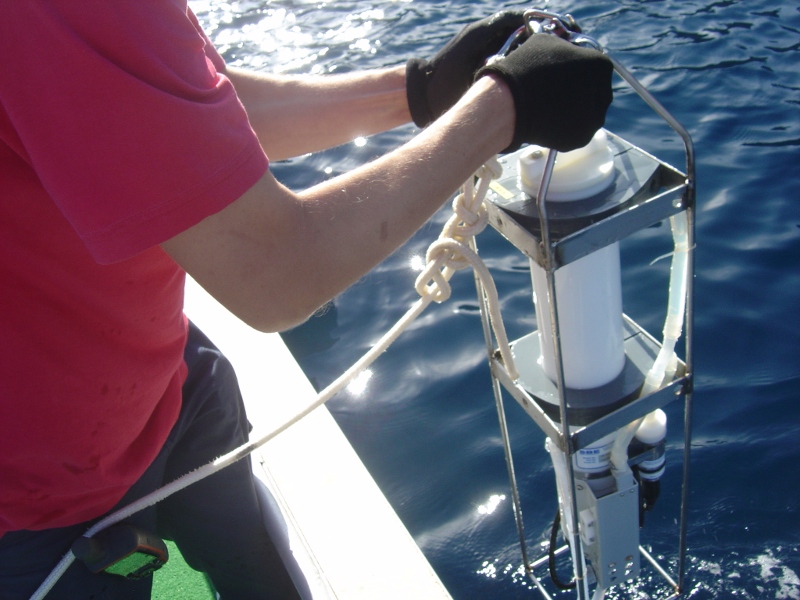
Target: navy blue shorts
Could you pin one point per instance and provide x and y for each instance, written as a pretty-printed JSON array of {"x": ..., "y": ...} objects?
[{"x": 216, "y": 523}]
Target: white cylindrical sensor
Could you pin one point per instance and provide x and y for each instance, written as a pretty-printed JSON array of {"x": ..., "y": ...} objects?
[
  {"x": 589, "y": 290},
  {"x": 589, "y": 293}
]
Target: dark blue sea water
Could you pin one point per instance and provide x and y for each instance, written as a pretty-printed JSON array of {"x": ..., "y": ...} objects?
[{"x": 426, "y": 424}]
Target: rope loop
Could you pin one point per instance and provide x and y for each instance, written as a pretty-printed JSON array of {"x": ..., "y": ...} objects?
[
  {"x": 466, "y": 222},
  {"x": 450, "y": 252},
  {"x": 432, "y": 282}
]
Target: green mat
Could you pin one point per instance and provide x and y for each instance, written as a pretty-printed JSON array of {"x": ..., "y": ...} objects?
[{"x": 178, "y": 581}]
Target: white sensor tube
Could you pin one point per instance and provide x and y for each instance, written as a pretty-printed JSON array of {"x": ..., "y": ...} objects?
[
  {"x": 589, "y": 290},
  {"x": 589, "y": 293}
]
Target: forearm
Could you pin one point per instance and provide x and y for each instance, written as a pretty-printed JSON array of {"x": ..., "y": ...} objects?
[
  {"x": 357, "y": 219},
  {"x": 297, "y": 115},
  {"x": 273, "y": 256}
]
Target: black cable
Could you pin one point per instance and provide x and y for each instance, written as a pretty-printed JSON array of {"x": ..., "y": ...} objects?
[{"x": 551, "y": 556}]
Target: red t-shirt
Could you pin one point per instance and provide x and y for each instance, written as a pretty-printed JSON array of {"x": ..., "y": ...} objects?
[{"x": 117, "y": 132}]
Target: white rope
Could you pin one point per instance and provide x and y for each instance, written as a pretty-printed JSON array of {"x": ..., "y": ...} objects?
[
  {"x": 451, "y": 253},
  {"x": 445, "y": 256}
]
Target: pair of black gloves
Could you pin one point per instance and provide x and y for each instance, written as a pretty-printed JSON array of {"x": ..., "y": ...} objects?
[{"x": 561, "y": 91}]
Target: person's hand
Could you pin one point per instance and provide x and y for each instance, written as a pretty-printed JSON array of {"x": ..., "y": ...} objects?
[
  {"x": 432, "y": 87},
  {"x": 561, "y": 91}
]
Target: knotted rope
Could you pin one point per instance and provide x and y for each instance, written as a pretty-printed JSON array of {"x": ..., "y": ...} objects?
[
  {"x": 445, "y": 256},
  {"x": 451, "y": 253}
]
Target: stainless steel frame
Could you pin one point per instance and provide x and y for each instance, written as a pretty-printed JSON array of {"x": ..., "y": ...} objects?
[{"x": 667, "y": 193}]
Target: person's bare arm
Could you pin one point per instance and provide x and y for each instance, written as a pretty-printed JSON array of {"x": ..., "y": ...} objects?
[
  {"x": 296, "y": 115},
  {"x": 274, "y": 256},
  {"x": 293, "y": 115}
]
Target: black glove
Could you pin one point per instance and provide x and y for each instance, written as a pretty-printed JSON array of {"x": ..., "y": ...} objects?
[
  {"x": 561, "y": 92},
  {"x": 433, "y": 87}
]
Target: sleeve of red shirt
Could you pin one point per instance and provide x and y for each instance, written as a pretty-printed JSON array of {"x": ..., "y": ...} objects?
[{"x": 122, "y": 111}]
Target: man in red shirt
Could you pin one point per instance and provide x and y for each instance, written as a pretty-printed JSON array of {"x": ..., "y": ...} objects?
[{"x": 130, "y": 155}]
